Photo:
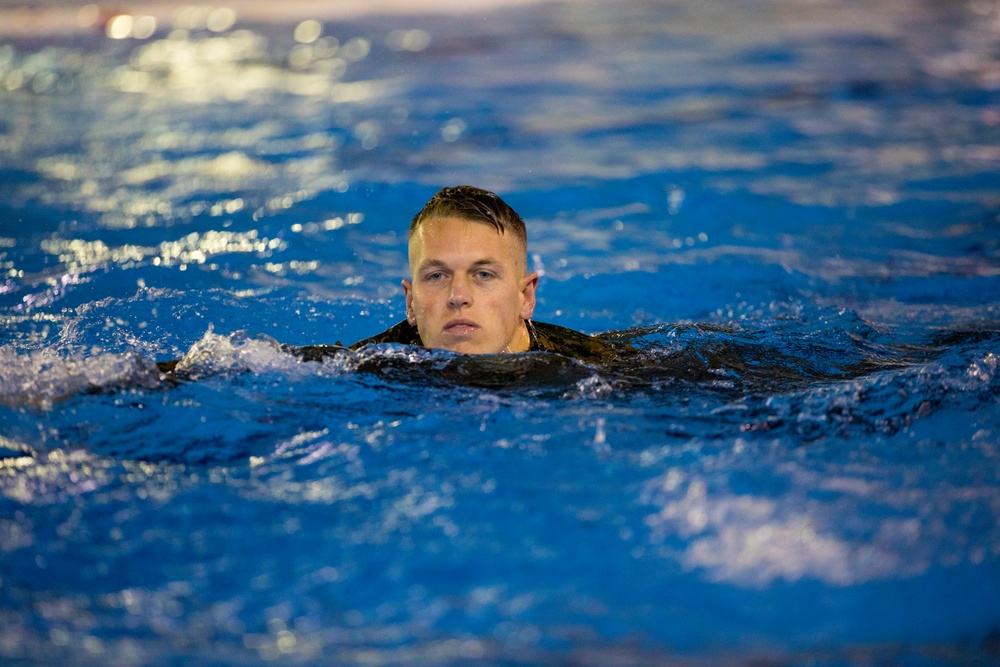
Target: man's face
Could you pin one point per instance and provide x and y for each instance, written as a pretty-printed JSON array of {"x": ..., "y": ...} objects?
[{"x": 469, "y": 291}]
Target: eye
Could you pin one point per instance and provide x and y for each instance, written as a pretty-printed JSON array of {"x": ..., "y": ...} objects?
[
  {"x": 483, "y": 274},
  {"x": 433, "y": 276}
]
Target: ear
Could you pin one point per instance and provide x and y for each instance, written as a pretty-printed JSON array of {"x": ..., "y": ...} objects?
[
  {"x": 408, "y": 293},
  {"x": 528, "y": 286}
]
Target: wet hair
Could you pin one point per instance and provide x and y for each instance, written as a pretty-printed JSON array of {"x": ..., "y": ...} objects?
[{"x": 474, "y": 204}]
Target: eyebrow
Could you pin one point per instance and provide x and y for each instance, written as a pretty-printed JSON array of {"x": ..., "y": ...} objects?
[{"x": 440, "y": 264}]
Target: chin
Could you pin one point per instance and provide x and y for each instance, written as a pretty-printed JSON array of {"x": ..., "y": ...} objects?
[{"x": 470, "y": 347}]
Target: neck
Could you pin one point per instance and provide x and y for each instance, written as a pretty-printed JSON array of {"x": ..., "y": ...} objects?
[{"x": 520, "y": 341}]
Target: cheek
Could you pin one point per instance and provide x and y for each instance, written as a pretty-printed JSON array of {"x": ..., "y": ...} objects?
[
  {"x": 507, "y": 305},
  {"x": 423, "y": 300}
]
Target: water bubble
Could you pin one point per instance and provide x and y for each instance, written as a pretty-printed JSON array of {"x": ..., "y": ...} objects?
[
  {"x": 44, "y": 81},
  {"x": 119, "y": 27},
  {"x": 14, "y": 79},
  {"x": 356, "y": 49},
  {"x": 220, "y": 19},
  {"x": 674, "y": 200},
  {"x": 144, "y": 27},
  {"x": 300, "y": 56},
  {"x": 408, "y": 40},
  {"x": 307, "y": 32},
  {"x": 453, "y": 129},
  {"x": 369, "y": 132}
]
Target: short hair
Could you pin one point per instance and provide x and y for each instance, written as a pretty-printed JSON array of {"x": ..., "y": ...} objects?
[{"x": 475, "y": 204}]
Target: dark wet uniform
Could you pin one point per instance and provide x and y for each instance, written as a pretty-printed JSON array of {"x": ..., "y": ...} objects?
[{"x": 543, "y": 338}]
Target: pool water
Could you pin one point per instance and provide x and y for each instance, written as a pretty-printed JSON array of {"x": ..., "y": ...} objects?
[{"x": 790, "y": 209}]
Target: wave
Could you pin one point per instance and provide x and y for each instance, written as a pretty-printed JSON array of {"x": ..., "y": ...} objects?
[
  {"x": 43, "y": 377},
  {"x": 650, "y": 359}
]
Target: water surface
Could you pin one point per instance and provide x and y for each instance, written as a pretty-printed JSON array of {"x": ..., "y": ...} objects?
[{"x": 789, "y": 209}]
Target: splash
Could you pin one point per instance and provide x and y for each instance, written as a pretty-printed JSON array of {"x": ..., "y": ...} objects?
[{"x": 39, "y": 379}]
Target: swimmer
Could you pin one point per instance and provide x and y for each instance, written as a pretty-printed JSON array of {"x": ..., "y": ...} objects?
[{"x": 469, "y": 289}]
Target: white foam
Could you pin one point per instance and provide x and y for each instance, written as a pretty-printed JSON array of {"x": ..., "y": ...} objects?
[
  {"x": 39, "y": 379},
  {"x": 215, "y": 354}
]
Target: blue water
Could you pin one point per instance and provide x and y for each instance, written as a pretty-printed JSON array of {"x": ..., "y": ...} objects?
[{"x": 791, "y": 208}]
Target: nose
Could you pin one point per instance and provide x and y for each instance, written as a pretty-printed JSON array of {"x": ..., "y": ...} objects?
[{"x": 460, "y": 295}]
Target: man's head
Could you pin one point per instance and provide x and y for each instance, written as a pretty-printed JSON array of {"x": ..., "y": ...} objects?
[{"x": 468, "y": 261}]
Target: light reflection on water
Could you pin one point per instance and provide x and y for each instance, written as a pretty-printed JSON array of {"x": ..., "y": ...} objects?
[{"x": 809, "y": 190}]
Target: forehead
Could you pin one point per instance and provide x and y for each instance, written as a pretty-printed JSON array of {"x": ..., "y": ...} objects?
[{"x": 442, "y": 237}]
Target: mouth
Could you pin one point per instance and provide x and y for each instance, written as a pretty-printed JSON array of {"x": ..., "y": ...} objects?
[{"x": 460, "y": 327}]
